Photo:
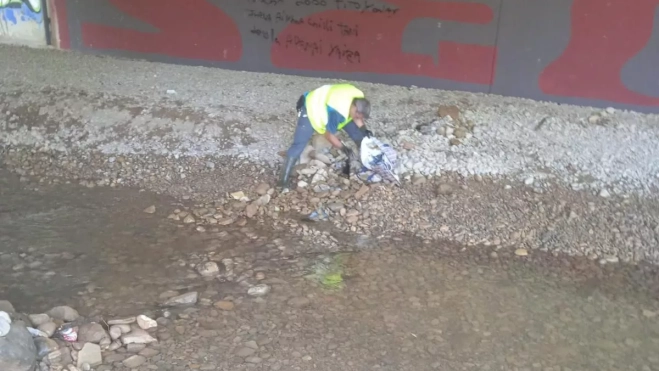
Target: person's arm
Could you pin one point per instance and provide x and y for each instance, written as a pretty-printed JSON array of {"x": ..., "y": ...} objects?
[
  {"x": 338, "y": 144},
  {"x": 334, "y": 141},
  {"x": 362, "y": 126},
  {"x": 334, "y": 118}
]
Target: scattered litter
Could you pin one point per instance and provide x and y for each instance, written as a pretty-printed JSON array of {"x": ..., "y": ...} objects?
[
  {"x": 67, "y": 333},
  {"x": 259, "y": 290},
  {"x": 36, "y": 333},
  {"x": 328, "y": 271},
  {"x": 5, "y": 323},
  {"x": 380, "y": 159},
  {"x": 317, "y": 215},
  {"x": 240, "y": 196}
]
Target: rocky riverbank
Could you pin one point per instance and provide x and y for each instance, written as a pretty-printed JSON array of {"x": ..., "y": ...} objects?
[
  {"x": 479, "y": 170},
  {"x": 482, "y": 212}
]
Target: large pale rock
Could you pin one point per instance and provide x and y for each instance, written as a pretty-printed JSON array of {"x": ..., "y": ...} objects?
[
  {"x": 6, "y": 306},
  {"x": 207, "y": 269},
  {"x": 122, "y": 321},
  {"x": 90, "y": 354},
  {"x": 251, "y": 210},
  {"x": 48, "y": 328},
  {"x": 134, "y": 361},
  {"x": 262, "y": 189},
  {"x": 61, "y": 356},
  {"x": 64, "y": 313},
  {"x": 39, "y": 319},
  {"x": 92, "y": 333},
  {"x": 115, "y": 332},
  {"x": 185, "y": 299},
  {"x": 17, "y": 349},
  {"x": 137, "y": 336},
  {"x": 145, "y": 322},
  {"x": 263, "y": 200}
]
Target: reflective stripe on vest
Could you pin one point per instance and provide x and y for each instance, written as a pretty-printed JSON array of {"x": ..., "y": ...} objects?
[{"x": 338, "y": 96}]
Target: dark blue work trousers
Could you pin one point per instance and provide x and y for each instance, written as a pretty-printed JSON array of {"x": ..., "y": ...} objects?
[{"x": 304, "y": 131}]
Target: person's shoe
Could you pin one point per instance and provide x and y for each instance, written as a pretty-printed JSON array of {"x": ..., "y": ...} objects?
[{"x": 285, "y": 177}]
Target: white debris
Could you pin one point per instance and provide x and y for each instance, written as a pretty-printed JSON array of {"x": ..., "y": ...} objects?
[
  {"x": 5, "y": 323},
  {"x": 145, "y": 322}
]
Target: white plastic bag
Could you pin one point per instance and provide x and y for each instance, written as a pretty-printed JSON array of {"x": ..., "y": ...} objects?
[{"x": 379, "y": 158}]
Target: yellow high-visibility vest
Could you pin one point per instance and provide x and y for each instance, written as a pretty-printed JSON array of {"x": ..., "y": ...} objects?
[{"x": 337, "y": 96}]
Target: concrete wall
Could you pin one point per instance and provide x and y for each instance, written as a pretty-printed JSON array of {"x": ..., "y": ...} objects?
[
  {"x": 22, "y": 22},
  {"x": 596, "y": 52}
]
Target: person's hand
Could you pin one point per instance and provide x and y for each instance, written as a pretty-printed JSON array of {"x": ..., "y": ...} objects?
[
  {"x": 365, "y": 131},
  {"x": 348, "y": 152}
]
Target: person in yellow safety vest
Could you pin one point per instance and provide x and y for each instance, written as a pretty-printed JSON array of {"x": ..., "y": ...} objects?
[{"x": 326, "y": 110}]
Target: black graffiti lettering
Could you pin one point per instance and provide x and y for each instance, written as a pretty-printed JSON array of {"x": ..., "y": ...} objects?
[
  {"x": 347, "y": 30},
  {"x": 319, "y": 23},
  {"x": 322, "y": 24},
  {"x": 311, "y": 47},
  {"x": 350, "y": 56},
  {"x": 365, "y": 6},
  {"x": 287, "y": 18},
  {"x": 259, "y": 14},
  {"x": 268, "y": 35},
  {"x": 267, "y": 2},
  {"x": 311, "y": 2}
]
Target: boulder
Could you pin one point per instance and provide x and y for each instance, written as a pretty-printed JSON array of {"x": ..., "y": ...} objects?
[
  {"x": 17, "y": 349},
  {"x": 64, "y": 313},
  {"x": 89, "y": 354},
  {"x": 185, "y": 299},
  {"x": 6, "y": 306},
  {"x": 145, "y": 322},
  {"x": 138, "y": 336},
  {"x": 92, "y": 333},
  {"x": 38, "y": 319},
  {"x": 45, "y": 346}
]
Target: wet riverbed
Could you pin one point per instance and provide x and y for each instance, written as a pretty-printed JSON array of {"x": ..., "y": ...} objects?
[{"x": 404, "y": 305}]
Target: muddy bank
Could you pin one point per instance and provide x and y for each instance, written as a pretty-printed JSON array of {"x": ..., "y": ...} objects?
[{"x": 482, "y": 211}]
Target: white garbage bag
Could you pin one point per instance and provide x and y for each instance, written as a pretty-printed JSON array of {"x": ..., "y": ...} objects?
[{"x": 379, "y": 159}]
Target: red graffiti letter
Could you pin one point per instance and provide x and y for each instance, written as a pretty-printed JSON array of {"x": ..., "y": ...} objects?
[
  {"x": 377, "y": 45},
  {"x": 605, "y": 36},
  {"x": 192, "y": 29}
]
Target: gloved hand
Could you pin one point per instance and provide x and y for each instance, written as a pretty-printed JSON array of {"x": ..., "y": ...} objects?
[
  {"x": 367, "y": 133},
  {"x": 348, "y": 152}
]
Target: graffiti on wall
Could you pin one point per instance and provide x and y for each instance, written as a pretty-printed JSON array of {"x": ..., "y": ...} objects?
[
  {"x": 22, "y": 21},
  {"x": 600, "y": 46},
  {"x": 15, "y": 11},
  {"x": 194, "y": 29},
  {"x": 437, "y": 42},
  {"x": 361, "y": 36}
]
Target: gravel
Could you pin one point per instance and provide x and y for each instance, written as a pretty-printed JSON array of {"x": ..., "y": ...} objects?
[
  {"x": 481, "y": 170},
  {"x": 109, "y": 105}
]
